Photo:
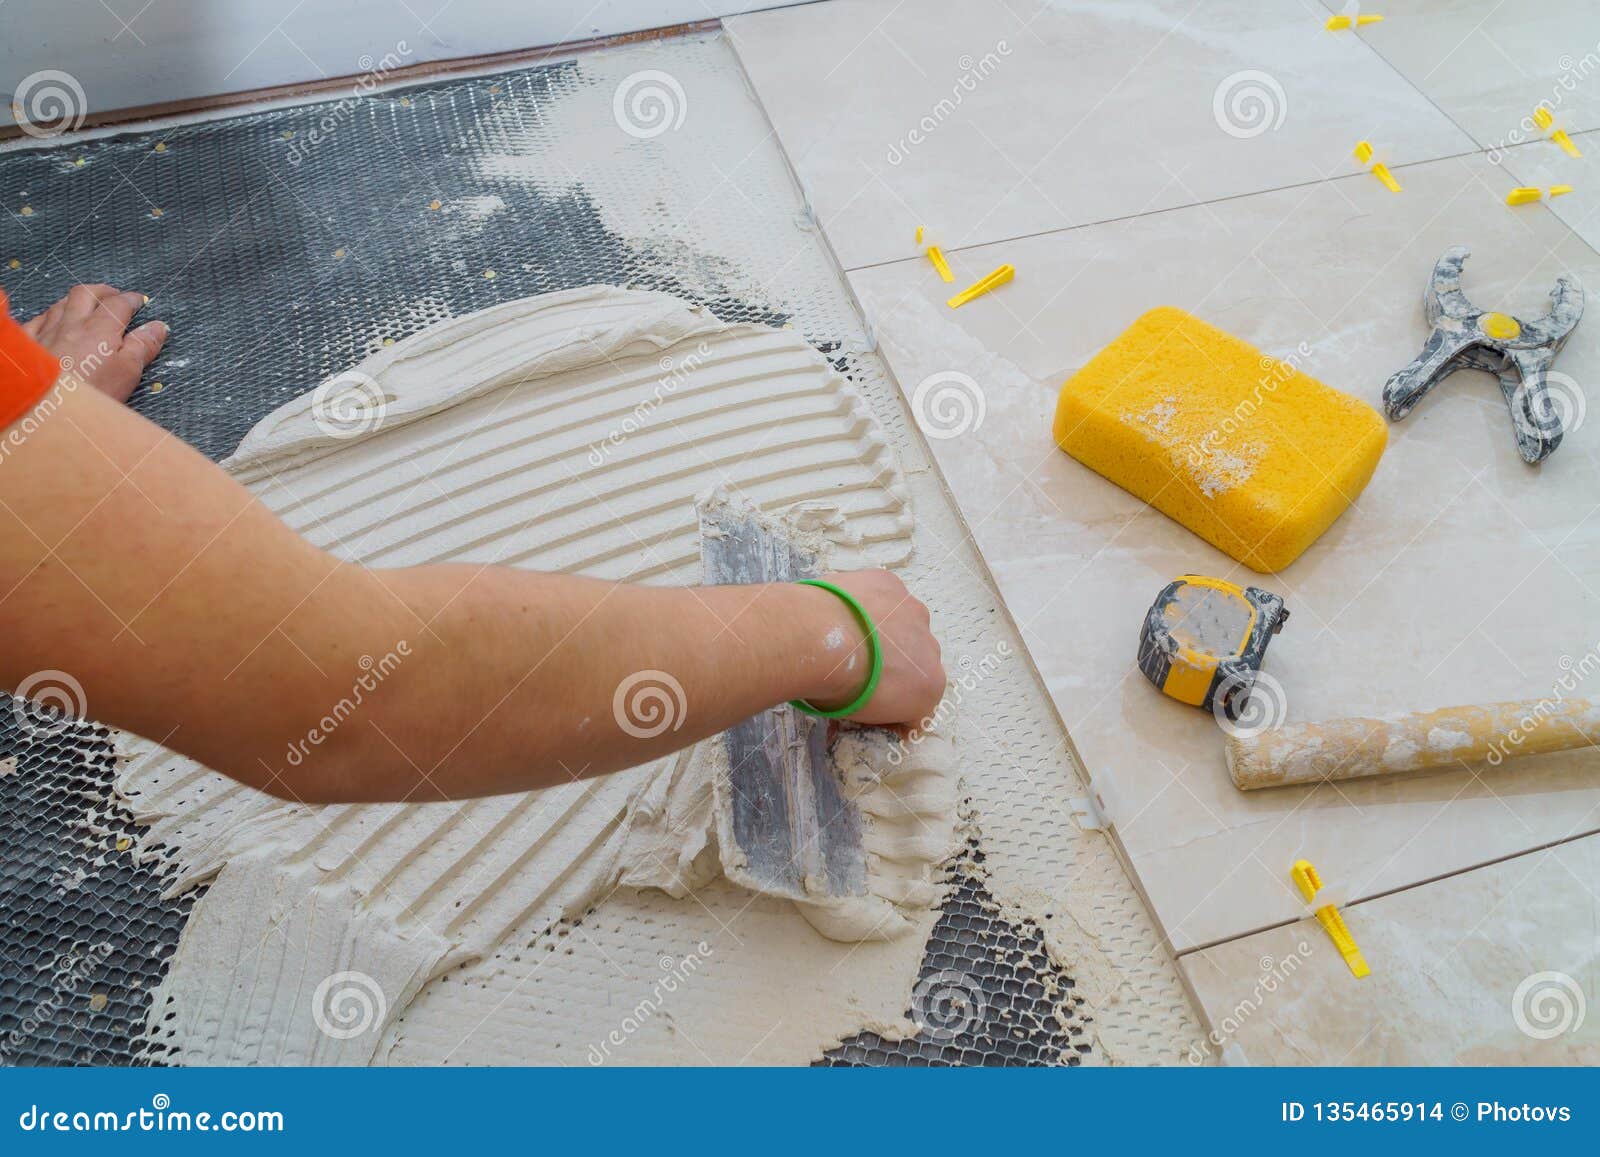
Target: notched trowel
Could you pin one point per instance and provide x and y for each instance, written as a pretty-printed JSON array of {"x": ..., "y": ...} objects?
[{"x": 784, "y": 824}]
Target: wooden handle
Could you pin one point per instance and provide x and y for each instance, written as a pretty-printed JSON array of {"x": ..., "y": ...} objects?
[{"x": 1339, "y": 749}]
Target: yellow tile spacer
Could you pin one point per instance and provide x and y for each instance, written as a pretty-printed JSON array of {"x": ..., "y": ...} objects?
[
  {"x": 1304, "y": 874},
  {"x": 982, "y": 286},
  {"x": 1546, "y": 120},
  {"x": 1340, "y": 23},
  {"x": 1328, "y": 916},
  {"x": 919, "y": 234},
  {"x": 1528, "y": 194},
  {"x": 1365, "y": 154},
  {"x": 1309, "y": 882},
  {"x": 936, "y": 255}
]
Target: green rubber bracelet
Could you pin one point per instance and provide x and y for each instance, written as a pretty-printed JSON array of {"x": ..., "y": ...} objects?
[{"x": 876, "y": 667}]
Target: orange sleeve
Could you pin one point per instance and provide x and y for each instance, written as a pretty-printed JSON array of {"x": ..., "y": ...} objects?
[{"x": 27, "y": 369}]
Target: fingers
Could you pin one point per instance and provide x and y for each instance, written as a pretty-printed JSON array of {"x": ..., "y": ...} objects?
[
  {"x": 145, "y": 342},
  {"x": 120, "y": 377},
  {"x": 83, "y": 300},
  {"x": 37, "y": 324},
  {"x": 103, "y": 308},
  {"x": 120, "y": 307},
  {"x": 101, "y": 305},
  {"x": 88, "y": 330}
]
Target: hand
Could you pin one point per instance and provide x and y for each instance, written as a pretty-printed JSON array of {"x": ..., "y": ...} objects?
[
  {"x": 90, "y": 327},
  {"x": 913, "y": 678}
]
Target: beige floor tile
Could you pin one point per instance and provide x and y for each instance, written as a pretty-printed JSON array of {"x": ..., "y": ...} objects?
[
  {"x": 988, "y": 119},
  {"x": 1497, "y": 966},
  {"x": 1489, "y": 63},
  {"x": 1462, "y": 575}
]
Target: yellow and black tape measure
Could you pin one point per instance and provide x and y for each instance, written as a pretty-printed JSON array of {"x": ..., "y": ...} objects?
[{"x": 1204, "y": 640}]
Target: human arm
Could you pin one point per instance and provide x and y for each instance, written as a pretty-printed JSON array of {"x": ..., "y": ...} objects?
[{"x": 190, "y": 614}]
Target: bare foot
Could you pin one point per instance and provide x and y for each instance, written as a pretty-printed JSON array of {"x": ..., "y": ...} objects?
[{"x": 88, "y": 331}]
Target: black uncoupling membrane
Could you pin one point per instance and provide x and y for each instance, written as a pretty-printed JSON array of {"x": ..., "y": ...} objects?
[{"x": 988, "y": 993}]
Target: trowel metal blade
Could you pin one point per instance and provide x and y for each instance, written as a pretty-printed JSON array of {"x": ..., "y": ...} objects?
[{"x": 784, "y": 825}]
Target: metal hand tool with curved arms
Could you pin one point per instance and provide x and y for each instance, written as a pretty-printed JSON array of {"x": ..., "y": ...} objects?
[{"x": 1518, "y": 352}]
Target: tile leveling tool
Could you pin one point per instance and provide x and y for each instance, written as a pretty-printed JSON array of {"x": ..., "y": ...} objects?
[
  {"x": 1203, "y": 641},
  {"x": 1517, "y": 352}
]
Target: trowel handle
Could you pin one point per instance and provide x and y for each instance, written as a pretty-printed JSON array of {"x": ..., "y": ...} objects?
[
  {"x": 1405, "y": 388},
  {"x": 1340, "y": 749}
]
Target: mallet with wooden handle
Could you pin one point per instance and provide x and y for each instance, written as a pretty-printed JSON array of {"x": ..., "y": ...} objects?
[{"x": 1339, "y": 749}]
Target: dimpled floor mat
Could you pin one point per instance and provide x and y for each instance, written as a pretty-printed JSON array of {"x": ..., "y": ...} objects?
[{"x": 286, "y": 243}]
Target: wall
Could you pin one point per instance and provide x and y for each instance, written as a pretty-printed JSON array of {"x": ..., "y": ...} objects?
[{"x": 129, "y": 53}]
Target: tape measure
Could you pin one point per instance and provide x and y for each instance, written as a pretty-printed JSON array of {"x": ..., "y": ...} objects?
[{"x": 1204, "y": 639}]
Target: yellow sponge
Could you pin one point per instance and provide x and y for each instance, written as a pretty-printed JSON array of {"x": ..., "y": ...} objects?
[{"x": 1252, "y": 455}]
